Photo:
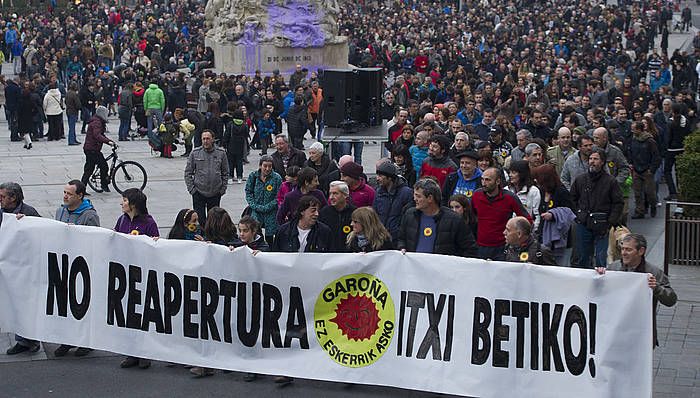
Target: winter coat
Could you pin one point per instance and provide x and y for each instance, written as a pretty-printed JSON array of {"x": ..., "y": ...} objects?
[
  {"x": 339, "y": 224},
  {"x": 296, "y": 158},
  {"x": 261, "y": 197},
  {"x": 390, "y": 205},
  {"x": 532, "y": 252},
  {"x": 73, "y": 104},
  {"x": 125, "y": 104},
  {"x": 644, "y": 153},
  {"x": 154, "y": 98},
  {"x": 574, "y": 166},
  {"x": 287, "y": 238},
  {"x": 12, "y": 95},
  {"x": 677, "y": 133},
  {"x": 354, "y": 247},
  {"x": 235, "y": 137},
  {"x": 597, "y": 193},
  {"x": 327, "y": 172},
  {"x": 452, "y": 235},
  {"x": 139, "y": 225},
  {"x": 53, "y": 103},
  {"x": 362, "y": 195},
  {"x": 439, "y": 168},
  {"x": 258, "y": 244},
  {"x": 95, "y": 135},
  {"x": 85, "y": 214},
  {"x": 25, "y": 115},
  {"x": 297, "y": 121}
]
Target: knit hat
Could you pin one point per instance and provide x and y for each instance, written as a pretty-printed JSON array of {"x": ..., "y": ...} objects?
[
  {"x": 317, "y": 146},
  {"x": 101, "y": 112},
  {"x": 580, "y": 130},
  {"x": 387, "y": 169},
  {"x": 352, "y": 170}
]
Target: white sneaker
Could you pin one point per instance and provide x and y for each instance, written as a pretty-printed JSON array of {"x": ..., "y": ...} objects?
[{"x": 239, "y": 181}]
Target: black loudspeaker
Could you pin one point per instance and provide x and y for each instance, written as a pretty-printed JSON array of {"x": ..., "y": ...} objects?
[
  {"x": 367, "y": 96},
  {"x": 338, "y": 87}
]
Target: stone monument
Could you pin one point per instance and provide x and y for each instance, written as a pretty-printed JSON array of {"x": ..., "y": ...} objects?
[{"x": 249, "y": 35}]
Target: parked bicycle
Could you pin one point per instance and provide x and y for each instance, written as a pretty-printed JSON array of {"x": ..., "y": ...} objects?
[{"x": 123, "y": 174}]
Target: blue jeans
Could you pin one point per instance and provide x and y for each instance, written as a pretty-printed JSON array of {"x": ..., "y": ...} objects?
[
  {"x": 590, "y": 245},
  {"x": 346, "y": 148},
  {"x": 158, "y": 114},
  {"x": 72, "y": 120},
  {"x": 124, "y": 128}
]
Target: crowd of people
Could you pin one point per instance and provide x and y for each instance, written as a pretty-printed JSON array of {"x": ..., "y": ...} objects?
[{"x": 516, "y": 132}]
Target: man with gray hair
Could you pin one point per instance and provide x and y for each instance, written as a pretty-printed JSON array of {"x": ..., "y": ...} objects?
[
  {"x": 523, "y": 138},
  {"x": 286, "y": 155},
  {"x": 337, "y": 216},
  {"x": 633, "y": 251},
  {"x": 522, "y": 247},
  {"x": 12, "y": 201},
  {"x": 534, "y": 155}
]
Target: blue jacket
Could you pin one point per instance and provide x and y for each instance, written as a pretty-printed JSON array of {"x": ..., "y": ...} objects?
[
  {"x": 288, "y": 101},
  {"x": 17, "y": 49},
  {"x": 10, "y": 36},
  {"x": 390, "y": 205},
  {"x": 266, "y": 128}
]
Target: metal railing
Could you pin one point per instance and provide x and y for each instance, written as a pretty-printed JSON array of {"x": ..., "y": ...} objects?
[{"x": 682, "y": 245}]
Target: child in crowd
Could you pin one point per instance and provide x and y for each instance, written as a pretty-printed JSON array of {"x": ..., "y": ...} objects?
[{"x": 419, "y": 150}]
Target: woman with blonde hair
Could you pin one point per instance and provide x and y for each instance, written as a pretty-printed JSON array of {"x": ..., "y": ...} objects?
[{"x": 368, "y": 234}]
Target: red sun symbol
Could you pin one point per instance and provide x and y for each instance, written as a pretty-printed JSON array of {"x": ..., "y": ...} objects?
[{"x": 357, "y": 317}]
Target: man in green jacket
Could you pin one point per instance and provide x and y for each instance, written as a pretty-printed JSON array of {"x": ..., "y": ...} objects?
[{"x": 154, "y": 104}]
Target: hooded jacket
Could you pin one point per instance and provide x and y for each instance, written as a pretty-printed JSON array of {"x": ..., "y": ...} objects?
[
  {"x": 472, "y": 184},
  {"x": 644, "y": 153},
  {"x": 235, "y": 136},
  {"x": 95, "y": 134},
  {"x": 154, "y": 98},
  {"x": 391, "y": 204},
  {"x": 85, "y": 214}
]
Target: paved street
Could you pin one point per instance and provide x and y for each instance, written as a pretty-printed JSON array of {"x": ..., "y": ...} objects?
[{"x": 44, "y": 170}]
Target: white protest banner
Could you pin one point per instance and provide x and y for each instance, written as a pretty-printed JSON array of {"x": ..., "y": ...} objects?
[{"x": 425, "y": 322}]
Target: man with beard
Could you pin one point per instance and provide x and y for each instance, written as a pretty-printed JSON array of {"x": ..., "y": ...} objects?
[
  {"x": 577, "y": 163},
  {"x": 598, "y": 204}
]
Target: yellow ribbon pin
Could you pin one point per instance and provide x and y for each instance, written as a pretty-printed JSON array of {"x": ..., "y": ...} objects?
[
  {"x": 428, "y": 231},
  {"x": 135, "y": 232},
  {"x": 346, "y": 229},
  {"x": 269, "y": 188},
  {"x": 524, "y": 256}
]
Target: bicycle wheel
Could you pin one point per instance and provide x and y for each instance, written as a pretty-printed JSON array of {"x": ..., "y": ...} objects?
[
  {"x": 95, "y": 182},
  {"x": 127, "y": 175}
]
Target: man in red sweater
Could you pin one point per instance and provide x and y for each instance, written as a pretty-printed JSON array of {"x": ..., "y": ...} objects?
[
  {"x": 493, "y": 207},
  {"x": 421, "y": 63}
]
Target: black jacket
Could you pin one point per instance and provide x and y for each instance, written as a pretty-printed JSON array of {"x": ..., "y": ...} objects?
[
  {"x": 598, "y": 193},
  {"x": 339, "y": 224},
  {"x": 353, "y": 247},
  {"x": 297, "y": 121},
  {"x": 287, "y": 238},
  {"x": 296, "y": 158},
  {"x": 453, "y": 237},
  {"x": 644, "y": 154},
  {"x": 327, "y": 171},
  {"x": 258, "y": 244}
]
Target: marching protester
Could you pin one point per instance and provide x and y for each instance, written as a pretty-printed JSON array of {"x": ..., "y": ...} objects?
[
  {"x": 368, "y": 234},
  {"x": 307, "y": 184},
  {"x": 76, "y": 210},
  {"x": 97, "y": 127},
  {"x": 337, "y": 216},
  {"x": 521, "y": 246},
  {"x": 634, "y": 249},
  {"x": 303, "y": 233},
  {"x": 393, "y": 197},
  {"x": 431, "y": 228}
]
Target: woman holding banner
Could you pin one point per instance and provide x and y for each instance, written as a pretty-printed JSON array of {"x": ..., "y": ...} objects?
[{"x": 136, "y": 221}]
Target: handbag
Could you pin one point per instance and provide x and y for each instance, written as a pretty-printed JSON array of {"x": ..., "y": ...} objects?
[{"x": 248, "y": 211}]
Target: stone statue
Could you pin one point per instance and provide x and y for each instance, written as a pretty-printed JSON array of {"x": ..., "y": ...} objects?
[{"x": 284, "y": 23}]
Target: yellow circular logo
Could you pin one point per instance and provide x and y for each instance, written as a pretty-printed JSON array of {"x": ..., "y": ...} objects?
[
  {"x": 354, "y": 320},
  {"x": 551, "y": 203},
  {"x": 611, "y": 164},
  {"x": 504, "y": 153},
  {"x": 468, "y": 193},
  {"x": 524, "y": 256},
  {"x": 346, "y": 229},
  {"x": 269, "y": 188},
  {"x": 427, "y": 231},
  {"x": 191, "y": 227},
  {"x": 134, "y": 232}
]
